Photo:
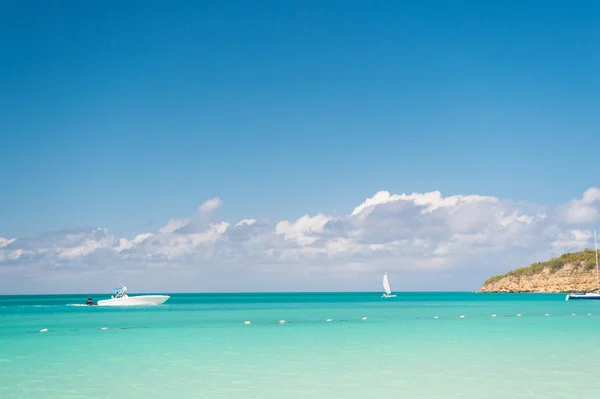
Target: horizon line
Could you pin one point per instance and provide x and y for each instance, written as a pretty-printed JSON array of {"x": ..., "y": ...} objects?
[{"x": 263, "y": 292}]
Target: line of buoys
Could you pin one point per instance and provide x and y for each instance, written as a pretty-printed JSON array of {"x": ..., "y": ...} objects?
[
  {"x": 247, "y": 322},
  {"x": 510, "y": 315},
  {"x": 44, "y": 330},
  {"x": 365, "y": 318}
]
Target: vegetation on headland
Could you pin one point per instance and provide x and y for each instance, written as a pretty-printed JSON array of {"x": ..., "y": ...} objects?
[{"x": 585, "y": 258}]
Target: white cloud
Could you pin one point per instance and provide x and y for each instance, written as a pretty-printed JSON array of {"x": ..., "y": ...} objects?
[
  {"x": 573, "y": 240},
  {"x": 87, "y": 244},
  {"x": 6, "y": 241},
  {"x": 174, "y": 225},
  {"x": 177, "y": 245},
  {"x": 424, "y": 240},
  {"x": 140, "y": 238},
  {"x": 302, "y": 229},
  {"x": 210, "y": 205},
  {"x": 583, "y": 210},
  {"x": 10, "y": 255},
  {"x": 429, "y": 202},
  {"x": 246, "y": 222}
]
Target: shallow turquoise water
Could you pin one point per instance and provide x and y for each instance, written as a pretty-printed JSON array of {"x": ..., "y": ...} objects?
[{"x": 196, "y": 345}]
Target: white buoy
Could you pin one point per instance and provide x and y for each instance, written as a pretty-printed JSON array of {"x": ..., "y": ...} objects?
[
  {"x": 435, "y": 317},
  {"x": 364, "y": 318},
  {"x": 462, "y": 316},
  {"x": 573, "y": 314},
  {"x": 589, "y": 314},
  {"x": 493, "y": 315},
  {"x": 519, "y": 314},
  {"x": 328, "y": 320},
  {"x": 247, "y": 322},
  {"x": 104, "y": 328},
  {"x": 281, "y": 321},
  {"x": 44, "y": 330},
  {"x": 547, "y": 314}
]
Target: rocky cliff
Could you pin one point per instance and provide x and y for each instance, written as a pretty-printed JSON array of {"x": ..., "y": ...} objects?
[{"x": 573, "y": 272}]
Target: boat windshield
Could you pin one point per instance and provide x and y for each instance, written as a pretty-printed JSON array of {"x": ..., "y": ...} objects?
[{"x": 120, "y": 292}]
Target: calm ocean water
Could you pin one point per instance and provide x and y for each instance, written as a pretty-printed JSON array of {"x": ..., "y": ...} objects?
[{"x": 196, "y": 345}]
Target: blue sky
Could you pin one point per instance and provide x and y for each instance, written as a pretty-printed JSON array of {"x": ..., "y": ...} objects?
[{"x": 123, "y": 115}]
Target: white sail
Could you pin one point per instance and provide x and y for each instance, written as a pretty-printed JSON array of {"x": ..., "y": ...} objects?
[
  {"x": 596, "y": 248},
  {"x": 595, "y": 293},
  {"x": 386, "y": 284}
]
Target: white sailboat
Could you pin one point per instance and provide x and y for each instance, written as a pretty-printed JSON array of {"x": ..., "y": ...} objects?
[
  {"x": 122, "y": 299},
  {"x": 386, "y": 287},
  {"x": 595, "y": 293}
]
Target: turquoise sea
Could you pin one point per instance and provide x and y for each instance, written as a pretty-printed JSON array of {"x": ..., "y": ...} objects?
[{"x": 197, "y": 346}]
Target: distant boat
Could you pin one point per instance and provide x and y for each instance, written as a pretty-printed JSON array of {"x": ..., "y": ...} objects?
[
  {"x": 595, "y": 293},
  {"x": 386, "y": 287},
  {"x": 122, "y": 299}
]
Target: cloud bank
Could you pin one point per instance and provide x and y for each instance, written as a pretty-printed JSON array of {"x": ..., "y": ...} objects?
[{"x": 425, "y": 241}]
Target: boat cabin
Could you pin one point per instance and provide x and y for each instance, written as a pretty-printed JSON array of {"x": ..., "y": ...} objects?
[{"x": 120, "y": 292}]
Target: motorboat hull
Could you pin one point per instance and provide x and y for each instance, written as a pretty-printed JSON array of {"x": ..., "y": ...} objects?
[
  {"x": 571, "y": 297},
  {"x": 140, "y": 300}
]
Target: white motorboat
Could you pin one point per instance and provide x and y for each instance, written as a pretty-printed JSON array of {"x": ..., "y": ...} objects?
[
  {"x": 386, "y": 287},
  {"x": 122, "y": 299},
  {"x": 592, "y": 294}
]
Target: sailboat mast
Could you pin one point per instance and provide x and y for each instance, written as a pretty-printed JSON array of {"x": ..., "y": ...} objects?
[{"x": 596, "y": 247}]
